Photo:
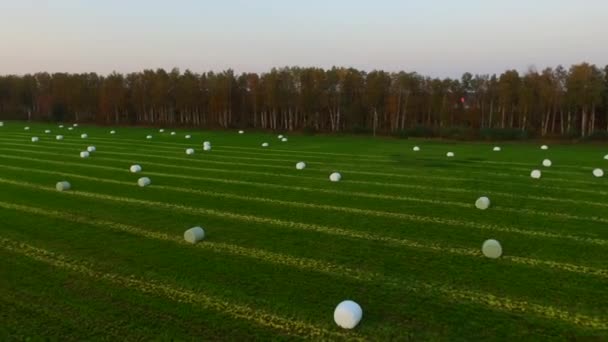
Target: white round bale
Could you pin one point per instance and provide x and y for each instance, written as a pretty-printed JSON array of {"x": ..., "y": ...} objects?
[
  {"x": 416, "y": 149},
  {"x": 75, "y": 125},
  {"x": 189, "y": 151},
  {"x": 63, "y": 186},
  {"x": 173, "y": 133},
  {"x": 194, "y": 234},
  {"x": 544, "y": 147},
  {"x": 284, "y": 140},
  {"x": 84, "y": 154},
  {"x": 112, "y": 132},
  {"x": 59, "y": 137},
  {"x": 265, "y": 144},
  {"x": 301, "y": 165},
  {"x": 535, "y": 174},
  {"x": 91, "y": 149},
  {"x": 70, "y": 128},
  {"x": 35, "y": 139},
  {"x": 280, "y": 136},
  {"x": 241, "y": 132},
  {"x": 207, "y": 143},
  {"x": 496, "y": 149},
  {"x": 135, "y": 168},
  {"x": 482, "y": 203},
  {"x": 1, "y": 124},
  {"x": 335, "y": 177},
  {"x": 547, "y": 163},
  {"x": 60, "y": 126},
  {"x": 207, "y": 148},
  {"x": 188, "y": 136},
  {"x": 26, "y": 128},
  {"x": 450, "y": 154},
  {"x": 84, "y": 135},
  {"x": 491, "y": 249},
  {"x": 144, "y": 181},
  {"x": 598, "y": 173},
  {"x": 606, "y": 157},
  {"x": 161, "y": 131},
  {"x": 47, "y": 131},
  {"x": 148, "y": 137},
  {"x": 348, "y": 314}
]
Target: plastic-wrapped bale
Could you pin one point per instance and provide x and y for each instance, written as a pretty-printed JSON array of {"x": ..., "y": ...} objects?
[
  {"x": 1, "y": 124},
  {"x": 59, "y": 137},
  {"x": 161, "y": 131},
  {"x": 26, "y": 128},
  {"x": 348, "y": 314},
  {"x": 84, "y": 154},
  {"x": 144, "y": 181},
  {"x": 70, "y": 128},
  {"x": 206, "y": 143},
  {"x": 189, "y": 151},
  {"x": 241, "y": 132},
  {"x": 60, "y": 126},
  {"x": 35, "y": 139},
  {"x": 544, "y": 147},
  {"x": 450, "y": 154},
  {"x": 91, "y": 149},
  {"x": 188, "y": 136},
  {"x": 265, "y": 144},
  {"x": 482, "y": 203},
  {"x": 135, "y": 168},
  {"x": 280, "y": 136},
  {"x": 284, "y": 140},
  {"x": 207, "y": 148},
  {"x": 148, "y": 137},
  {"x": 416, "y": 149},
  {"x": 75, "y": 125},
  {"x": 63, "y": 186},
  {"x": 547, "y": 163},
  {"x": 301, "y": 165},
  {"x": 598, "y": 173},
  {"x": 535, "y": 174},
  {"x": 194, "y": 234},
  {"x": 496, "y": 149},
  {"x": 173, "y": 133},
  {"x": 606, "y": 157},
  {"x": 112, "y": 132},
  {"x": 491, "y": 249},
  {"x": 84, "y": 135},
  {"x": 47, "y": 131},
  {"x": 335, "y": 177}
]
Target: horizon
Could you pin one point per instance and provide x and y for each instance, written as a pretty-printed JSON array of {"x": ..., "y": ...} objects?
[{"x": 441, "y": 39}]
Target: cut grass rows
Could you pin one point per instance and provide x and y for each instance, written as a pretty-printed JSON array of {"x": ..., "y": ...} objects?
[
  {"x": 488, "y": 300},
  {"x": 399, "y": 235}
]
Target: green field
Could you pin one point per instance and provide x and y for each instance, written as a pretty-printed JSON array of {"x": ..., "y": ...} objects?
[{"x": 399, "y": 235}]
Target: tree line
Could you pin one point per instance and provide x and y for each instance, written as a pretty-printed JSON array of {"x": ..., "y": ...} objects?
[{"x": 556, "y": 102}]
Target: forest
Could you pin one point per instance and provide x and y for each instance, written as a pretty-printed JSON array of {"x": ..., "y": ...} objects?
[{"x": 555, "y": 102}]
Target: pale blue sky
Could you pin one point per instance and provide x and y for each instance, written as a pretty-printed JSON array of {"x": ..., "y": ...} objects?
[{"x": 437, "y": 38}]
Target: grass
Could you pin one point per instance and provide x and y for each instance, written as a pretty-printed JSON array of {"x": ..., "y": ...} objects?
[{"x": 399, "y": 235}]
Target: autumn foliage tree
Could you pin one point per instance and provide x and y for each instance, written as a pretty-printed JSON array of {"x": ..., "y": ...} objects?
[{"x": 551, "y": 102}]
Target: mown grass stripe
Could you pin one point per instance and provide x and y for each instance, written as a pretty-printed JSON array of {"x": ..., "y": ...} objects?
[
  {"x": 511, "y": 177},
  {"x": 232, "y": 155},
  {"x": 330, "y": 230},
  {"x": 355, "y": 157},
  {"x": 309, "y": 264},
  {"x": 259, "y": 317},
  {"x": 290, "y": 326},
  {"x": 274, "y": 174},
  {"x": 365, "y": 212},
  {"x": 323, "y": 206}
]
